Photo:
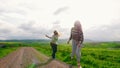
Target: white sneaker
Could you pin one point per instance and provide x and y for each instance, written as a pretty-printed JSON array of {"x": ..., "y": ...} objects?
[{"x": 80, "y": 67}]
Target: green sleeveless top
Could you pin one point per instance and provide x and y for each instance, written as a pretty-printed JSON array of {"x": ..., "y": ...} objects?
[{"x": 54, "y": 39}]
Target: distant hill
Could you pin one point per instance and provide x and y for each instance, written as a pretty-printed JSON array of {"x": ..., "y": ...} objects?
[
  {"x": 48, "y": 40},
  {"x": 26, "y": 40},
  {"x": 39, "y": 40},
  {"x": 88, "y": 40}
]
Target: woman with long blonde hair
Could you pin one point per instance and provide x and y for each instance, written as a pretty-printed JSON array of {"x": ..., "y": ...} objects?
[{"x": 53, "y": 43}]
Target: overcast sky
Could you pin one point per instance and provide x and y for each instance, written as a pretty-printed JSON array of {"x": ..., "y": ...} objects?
[{"x": 32, "y": 19}]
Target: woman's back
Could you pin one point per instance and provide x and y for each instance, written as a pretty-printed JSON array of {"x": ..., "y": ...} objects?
[{"x": 76, "y": 34}]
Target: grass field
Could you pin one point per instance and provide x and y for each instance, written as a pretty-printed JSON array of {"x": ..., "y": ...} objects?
[
  {"x": 94, "y": 55},
  {"x": 102, "y": 55},
  {"x": 5, "y": 51}
]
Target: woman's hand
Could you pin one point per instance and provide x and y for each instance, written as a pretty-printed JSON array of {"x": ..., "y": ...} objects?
[
  {"x": 79, "y": 45},
  {"x": 48, "y": 36}
]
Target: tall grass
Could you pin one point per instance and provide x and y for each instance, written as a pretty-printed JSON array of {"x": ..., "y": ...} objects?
[
  {"x": 93, "y": 55},
  {"x": 98, "y": 56},
  {"x": 5, "y": 51}
]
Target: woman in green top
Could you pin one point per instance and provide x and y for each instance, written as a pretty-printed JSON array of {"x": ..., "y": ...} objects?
[{"x": 53, "y": 43}]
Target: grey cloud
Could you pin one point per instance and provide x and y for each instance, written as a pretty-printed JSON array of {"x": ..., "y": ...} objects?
[
  {"x": 104, "y": 33},
  {"x": 5, "y": 31},
  {"x": 59, "y": 10},
  {"x": 11, "y": 19},
  {"x": 27, "y": 26},
  {"x": 5, "y": 7},
  {"x": 30, "y": 31},
  {"x": 23, "y": 37},
  {"x": 25, "y": 31},
  {"x": 37, "y": 31},
  {"x": 4, "y": 15}
]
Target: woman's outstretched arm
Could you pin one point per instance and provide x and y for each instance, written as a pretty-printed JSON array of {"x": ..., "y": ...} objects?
[{"x": 48, "y": 36}]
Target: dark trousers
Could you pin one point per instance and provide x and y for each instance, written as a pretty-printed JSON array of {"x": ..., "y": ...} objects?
[{"x": 54, "y": 49}]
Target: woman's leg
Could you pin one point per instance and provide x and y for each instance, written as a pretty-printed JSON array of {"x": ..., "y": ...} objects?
[
  {"x": 78, "y": 55},
  {"x": 54, "y": 50},
  {"x": 73, "y": 48}
]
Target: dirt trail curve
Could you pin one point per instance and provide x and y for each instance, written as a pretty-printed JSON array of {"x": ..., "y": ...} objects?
[{"x": 26, "y": 57}]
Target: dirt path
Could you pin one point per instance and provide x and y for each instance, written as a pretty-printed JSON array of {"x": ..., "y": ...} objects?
[{"x": 28, "y": 57}]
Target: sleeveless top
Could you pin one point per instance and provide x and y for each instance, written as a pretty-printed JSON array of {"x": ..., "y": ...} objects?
[{"x": 54, "y": 39}]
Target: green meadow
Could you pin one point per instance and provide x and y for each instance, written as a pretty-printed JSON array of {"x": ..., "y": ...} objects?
[{"x": 93, "y": 54}]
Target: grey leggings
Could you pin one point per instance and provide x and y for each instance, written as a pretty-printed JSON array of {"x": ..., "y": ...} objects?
[{"x": 76, "y": 50}]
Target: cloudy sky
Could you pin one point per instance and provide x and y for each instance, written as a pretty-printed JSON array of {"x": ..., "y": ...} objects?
[{"x": 32, "y": 19}]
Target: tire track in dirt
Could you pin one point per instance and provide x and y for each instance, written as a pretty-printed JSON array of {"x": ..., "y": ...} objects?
[
  {"x": 7, "y": 61},
  {"x": 25, "y": 56}
]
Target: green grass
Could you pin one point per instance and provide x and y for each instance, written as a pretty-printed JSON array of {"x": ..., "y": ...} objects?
[
  {"x": 5, "y": 51},
  {"x": 94, "y": 55},
  {"x": 102, "y": 45}
]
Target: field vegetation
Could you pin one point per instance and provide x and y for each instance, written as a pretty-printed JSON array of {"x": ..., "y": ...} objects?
[{"x": 93, "y": 54}]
